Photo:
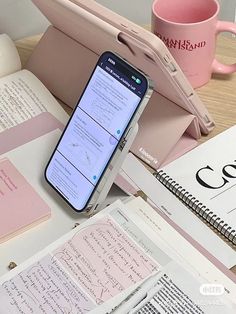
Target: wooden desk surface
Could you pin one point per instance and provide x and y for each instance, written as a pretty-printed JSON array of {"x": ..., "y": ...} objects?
[{"x": 219, "y": 95}]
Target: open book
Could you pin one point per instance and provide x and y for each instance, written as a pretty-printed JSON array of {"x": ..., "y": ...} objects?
[
  {"x": 29, "y": 114},
  {"x": 101, "y": 262}
]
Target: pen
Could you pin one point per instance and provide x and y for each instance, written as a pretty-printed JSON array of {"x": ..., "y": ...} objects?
[
  {"x": 136, "y": 296},
  {"x": 143, "y": 304}
]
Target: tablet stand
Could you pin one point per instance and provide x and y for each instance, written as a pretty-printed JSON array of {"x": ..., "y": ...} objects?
[{"x": 113, "y": 168}]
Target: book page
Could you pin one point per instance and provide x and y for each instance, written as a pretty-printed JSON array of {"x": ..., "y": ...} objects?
[
  {"x": 105, "y": 257},
  {"x": 172, "y": 294},
  {"x": 134, "y": 174},
  {"x": 22, "y": 97},
  {"x": 208, "y": 173},
  {"x": 187, "y": 255}
]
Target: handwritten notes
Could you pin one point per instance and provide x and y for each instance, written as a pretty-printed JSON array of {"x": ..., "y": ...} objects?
[
  {"x": 98, "y": 262},
  {"x": 104, "y": 260},
  {"x": 44, "y": 288}
]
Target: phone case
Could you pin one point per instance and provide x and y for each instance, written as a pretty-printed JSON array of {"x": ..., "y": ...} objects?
[{"x": 68, "y": 51}]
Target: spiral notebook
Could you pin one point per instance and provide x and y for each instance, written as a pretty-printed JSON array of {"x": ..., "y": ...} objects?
[{"x": 205, "y": 180}]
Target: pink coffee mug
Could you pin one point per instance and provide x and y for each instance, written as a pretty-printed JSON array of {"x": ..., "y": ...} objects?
[{"x": 189, "y": 29}]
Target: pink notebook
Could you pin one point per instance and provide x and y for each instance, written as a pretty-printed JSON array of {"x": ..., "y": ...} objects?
[{"x": 21, "y": 207}]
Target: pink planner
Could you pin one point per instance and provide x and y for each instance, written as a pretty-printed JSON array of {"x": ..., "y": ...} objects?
[
  {"x": 66, "y": 54},
  {"x": 21, "y": 206}
]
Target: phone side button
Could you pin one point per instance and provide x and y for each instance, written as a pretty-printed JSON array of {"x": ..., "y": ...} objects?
[
  {"x": 172, "y": 67},
  {"x": 123, "y": 143}
]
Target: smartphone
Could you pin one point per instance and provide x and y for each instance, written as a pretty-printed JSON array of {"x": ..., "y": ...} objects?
[{"x": 109, "y": 106}]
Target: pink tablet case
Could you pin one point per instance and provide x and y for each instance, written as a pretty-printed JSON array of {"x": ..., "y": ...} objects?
[
  {"x": 182, "y": 93},
  {"x": 66, "y": 54}
]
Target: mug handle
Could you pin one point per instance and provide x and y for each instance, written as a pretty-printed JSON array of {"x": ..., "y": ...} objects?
[{"x": 218, "y": 67}]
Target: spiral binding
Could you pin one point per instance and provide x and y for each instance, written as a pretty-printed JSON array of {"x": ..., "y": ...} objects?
[{"x": 195, "y": 205}]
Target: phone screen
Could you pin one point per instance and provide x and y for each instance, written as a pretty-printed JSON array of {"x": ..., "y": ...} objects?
[{"x": 95, "y": 129}]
